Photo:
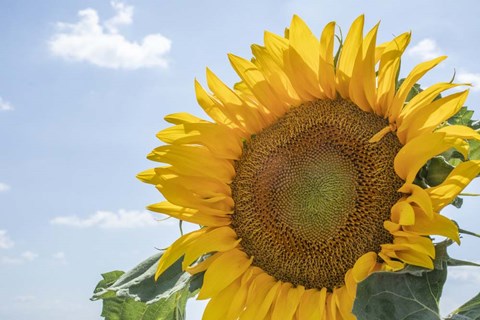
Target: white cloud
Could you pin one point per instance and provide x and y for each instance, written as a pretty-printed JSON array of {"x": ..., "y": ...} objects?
[
  {"x": 123, "y": 16},
  {"x": 4, "y": 187},
  {"x": 426, "y": 49},
  {"x": 467, "y": 77},
  {"x": 109, "y": 220},
  {"x": 465, "y": 273},
  {"x": 5, "y": 105},
  {"x": 5, "y": 241},
  {"x": 60, "y": 257},
  {"x": 10, "y": 260},
  {"x": 29, "y": 255},
  {"x": 102, "y": 44}
]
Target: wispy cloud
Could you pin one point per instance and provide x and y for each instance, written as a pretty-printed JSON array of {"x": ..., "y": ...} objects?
[
  {"x": 426, "y": 49},
  {"x": 467, "y": 77},
  {"x": 109, "y": 220},
  {"x": 4, "y": 187},
  {"x": 60, "y": 257},
  {"x": 27, "y": 256},
  {"x": 103, "y": 45},
  {"x": 465, "y": 273},
  {"x": 5, "y": 241},
  {"x": 5, "y": 105}
]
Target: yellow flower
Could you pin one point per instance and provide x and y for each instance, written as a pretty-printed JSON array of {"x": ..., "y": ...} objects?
[{"x": 304, "y": 181}]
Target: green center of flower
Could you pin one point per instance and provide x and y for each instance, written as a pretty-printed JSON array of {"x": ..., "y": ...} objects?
[
  {"x": 314, "y": 197},
  {"x": 311, "y": 193}
]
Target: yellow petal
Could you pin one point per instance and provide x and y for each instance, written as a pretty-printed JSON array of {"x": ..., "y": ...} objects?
[
  {"x": 362, "y": 86},
  {"x": 211, "y": 203},
  {"x": 379, "y": 51},
  {"x": 388, "y": 71},
  {"x": 418, "y": 196},
  {"x": 303, "y": 58},
  {"x": 182, "y": 118},
  {"x": 351, "y": 284},
  {"x": 213, "y": 108},
  {"x": 177, "y": 250},
  {"x": 416, "y": 258},
  {"x": 194, "y": 161},
  {"x": 407, "y": 85},
  {"x": 287, "y": 301},
  {"x": 231, "y": 265},
  {"x": 218, "y": 306},
  {"x": 390, "y": 264},
  {"x": 403, "y": 214},
  {"x": 456, "y": 181},
  {"x": 437, "y": 225},
  {"x": 148, "y": 176},
  {"x": 255, "y": 80},
  {"x": 189, "y": 214},
  {"x": 348, "y": 56},
  {"x": 423, "y": 98},
  {"x": 427, "y": 118},
  {"x": 220, "y": 239},
  {"x": 203, "y": 265},
  {"x": 235, "y": 306},
  {"x": 206, "y": 134},
  {"x": 204, "y": 186},
  {"x": 326, "y": 72},
  {"x": 363, "y": 266},
  {"x": 266, "y": 289},
  {"x": 276, "y": 46},
  {"x": 275, "y": 76},
  {"x": 420, "y": 149},
  {"x": 460, "y": 132},
  {"x": 312, "y": 304},
  {"x": 344, "y": 304},
  {"x": 418, "y": 243},
  {"x": 246, "y": 116}
]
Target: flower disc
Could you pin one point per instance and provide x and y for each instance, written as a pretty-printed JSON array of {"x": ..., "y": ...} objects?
[{"x": 311, "y": 193}]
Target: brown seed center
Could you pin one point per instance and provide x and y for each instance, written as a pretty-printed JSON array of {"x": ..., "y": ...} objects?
[{"x": 311, "y": 193}]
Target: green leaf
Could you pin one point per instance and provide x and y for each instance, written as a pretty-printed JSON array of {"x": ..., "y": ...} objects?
[
  {"x": 412, "y": 293},
  {"x": 474, "y": 153},
  {"x": 469, "y": 311},
  {"x": 462, "y": 117},
  {"x": 470, "y": 233},
  {"x": 135, "y": 295},
  {"x": 457, "y": 263},
  {"x": 437, "y": 171}
]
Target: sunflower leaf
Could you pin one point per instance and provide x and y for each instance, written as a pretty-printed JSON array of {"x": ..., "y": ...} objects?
[
  {"x": 437, "y": 171},
  {"x": 469, "y": 311},
  {"x": 412, "y": 293},
  {"x": 462, "y": 117},
  {"x": 470, "y": 233},
  {"x": 474, "y": 152},
  {"x": 457, "y": 263},
  {"x": 135, "y": 294}
]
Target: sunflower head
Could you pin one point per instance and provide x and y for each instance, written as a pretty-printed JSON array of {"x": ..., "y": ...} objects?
[{"x": 304, "y": 180}]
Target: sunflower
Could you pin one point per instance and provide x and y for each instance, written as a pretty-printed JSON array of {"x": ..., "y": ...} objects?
[{"x": 304, "y": 182}]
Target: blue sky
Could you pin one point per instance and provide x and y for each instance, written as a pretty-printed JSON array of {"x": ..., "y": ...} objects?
[{"x": 84, "y": 86}]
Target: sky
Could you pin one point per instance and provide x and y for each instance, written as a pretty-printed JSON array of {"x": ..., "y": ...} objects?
[{"x": 84, "y": 87}]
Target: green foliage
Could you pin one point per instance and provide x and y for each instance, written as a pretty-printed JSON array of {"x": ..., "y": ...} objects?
[
  {"x": 136, "y": 296},
  {"x": 469, "y": 311},
  {"x": 474, "y": 153},
  {"x": 412, "y": 293},
  {"x": 437, "y": 170}
]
